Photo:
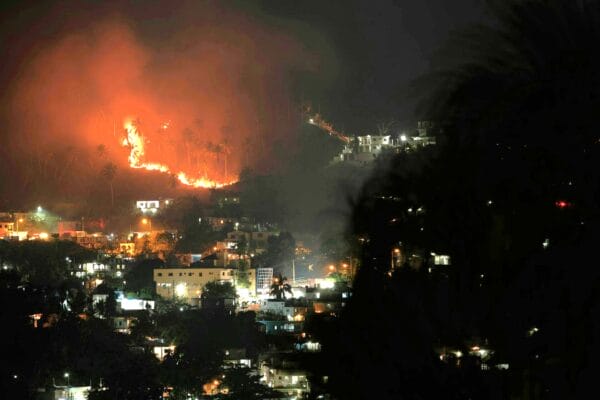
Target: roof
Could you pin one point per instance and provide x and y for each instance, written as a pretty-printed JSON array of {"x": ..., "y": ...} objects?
[{"x": 195, "y": 265}]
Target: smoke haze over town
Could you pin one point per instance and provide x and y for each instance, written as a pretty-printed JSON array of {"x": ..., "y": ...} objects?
[
  {"x": 214, "y": 87},
  {"x": 211, "y": 81}
]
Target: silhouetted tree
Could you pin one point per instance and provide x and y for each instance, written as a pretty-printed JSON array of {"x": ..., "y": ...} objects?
[
  {"x": 279, "y": 287},
  {"x": 108, "y": 172},
  {"x": 516, "y": 112},
  {"x": 242, "y": 384},
  {"x": 140, "y": 276},
  {"x": 218, "y": 290}
]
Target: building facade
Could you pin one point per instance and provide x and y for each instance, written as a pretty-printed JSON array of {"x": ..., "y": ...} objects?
[{"x": 187, "y": 283}]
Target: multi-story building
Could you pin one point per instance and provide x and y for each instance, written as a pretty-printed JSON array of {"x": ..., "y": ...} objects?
[
  {"x": 257, "y": 240},
  {"x": 264, "y": 279},
  {"x": 91, "y": 241},
  {"x": 126, "y": 248},
  {"x": 7, "y": 228},
  {"x": 284, "y": 373},
  {"x": 260, "y": 240},
  {"x": 292, "y": 311},
  {"x": 218, "y": 223},
  {"x": 152, "y": 206},
  {"x": 363, "y": 150},
  {"x": 238, "y": 236},
  {"x": 187, "y": 283}
]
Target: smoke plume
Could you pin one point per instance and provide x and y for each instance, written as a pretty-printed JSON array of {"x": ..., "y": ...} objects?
[{"x": 210, "y": 93}]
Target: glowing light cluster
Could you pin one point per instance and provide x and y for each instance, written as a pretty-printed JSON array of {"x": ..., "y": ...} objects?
[{"x": 135, "y": 142}]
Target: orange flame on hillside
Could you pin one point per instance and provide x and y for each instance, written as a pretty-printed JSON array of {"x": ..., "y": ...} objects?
[{"x": 135, "y": 142}]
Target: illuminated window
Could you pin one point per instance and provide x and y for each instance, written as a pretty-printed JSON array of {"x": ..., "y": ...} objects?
[{"x": 441, "y": 260}]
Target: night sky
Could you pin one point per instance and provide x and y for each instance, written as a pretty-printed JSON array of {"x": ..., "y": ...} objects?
[
  {"x": 234, "y": 71},
  {"x": 379, "y": 48},
  {"x": 369, "y": 51}
]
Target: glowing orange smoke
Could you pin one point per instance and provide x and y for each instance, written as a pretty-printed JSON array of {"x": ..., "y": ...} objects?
[
  {"x": 213, "y": 87},
  {"x": 135, "y": 142}
]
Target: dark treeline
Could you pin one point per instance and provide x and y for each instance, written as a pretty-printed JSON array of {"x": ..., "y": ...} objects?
[
  {"x": 77, "y": 337},
  {"x": 511, "y": 193}
]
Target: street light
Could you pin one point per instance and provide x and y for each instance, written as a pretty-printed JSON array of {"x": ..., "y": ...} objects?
[
  {"x": 395, "y": 253},
  {"x": 66, "y": 375},
  {"x": 147, "y": 221}
]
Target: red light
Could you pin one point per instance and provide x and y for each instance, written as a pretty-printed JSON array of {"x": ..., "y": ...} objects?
[{"x": 562, "y": 204}]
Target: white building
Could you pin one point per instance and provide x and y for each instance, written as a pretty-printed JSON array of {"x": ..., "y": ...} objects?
[
  {"x": 71, "y": 392},
  {"x": 151, "y": 206},
  {"x": 288, "y": 381},
  {"x": 363, "y": 150},
  {"x": 264, "y": 279}
]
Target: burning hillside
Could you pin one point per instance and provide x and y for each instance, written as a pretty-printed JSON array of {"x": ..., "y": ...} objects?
[
  {"x": 202, "y": 99},
  {"x": 136, "y": 143}
]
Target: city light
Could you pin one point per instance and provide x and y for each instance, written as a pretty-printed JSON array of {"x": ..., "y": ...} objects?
[
  {"x": 181, "y": 289},
  {"x": 147, "y": 221},
  {"x": 276, "y": 235}
]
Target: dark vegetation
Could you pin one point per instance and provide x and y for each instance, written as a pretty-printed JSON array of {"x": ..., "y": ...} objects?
[{"x": 511, "y": 193}]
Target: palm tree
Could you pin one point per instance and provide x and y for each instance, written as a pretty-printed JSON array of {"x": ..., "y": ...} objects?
[
  {"x": 518, "y": 106},
  {"x": 101, "y": 150},
  {"x": 530, "y": 81},
  {"x": 190, "y": 138},
  {"x": 108, "y": 172},
  {"x": 279, "y": 287}
]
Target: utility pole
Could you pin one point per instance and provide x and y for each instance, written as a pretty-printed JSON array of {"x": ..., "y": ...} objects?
[{"x": 293, "y": 272}]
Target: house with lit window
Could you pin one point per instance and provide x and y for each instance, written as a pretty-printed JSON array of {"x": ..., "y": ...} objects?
[
  {"x": 257, "y": 240},
  {"x": 7, "y": 229},
  {"x": 284, "y": 374},
  {"x": 260, "y": 240}
]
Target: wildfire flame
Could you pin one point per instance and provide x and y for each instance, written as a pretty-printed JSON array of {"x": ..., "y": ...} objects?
[
  {"x": 135, "y": 142},
  {"x": 318, "y": 121}
]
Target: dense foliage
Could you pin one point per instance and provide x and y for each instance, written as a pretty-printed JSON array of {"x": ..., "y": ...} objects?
[{"x": 511, "y": 194}]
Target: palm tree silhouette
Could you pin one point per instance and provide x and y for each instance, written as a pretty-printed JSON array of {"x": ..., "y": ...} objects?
[
  {"x": 517, "y": 100},
  {"x": 108, "y": 172},
  {"x": 279, "y": 287},
  {"x": 534, "y": 76}
]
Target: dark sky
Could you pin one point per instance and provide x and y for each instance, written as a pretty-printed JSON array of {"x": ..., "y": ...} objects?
[
  {"x": 370, "y": 49},
  {"x": 380, "y": 47},
  {"x": 234, "y": 70}
]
